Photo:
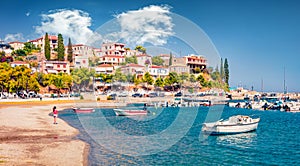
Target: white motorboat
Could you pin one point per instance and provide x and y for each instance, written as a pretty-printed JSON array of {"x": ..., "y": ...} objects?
[
  {"x": 233, "y": 125},
  {"x": 122, "y": 112}
]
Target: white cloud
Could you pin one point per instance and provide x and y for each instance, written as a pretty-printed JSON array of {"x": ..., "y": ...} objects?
[
  {"x": 70, "y": 23},
  {"x": 152, "y": 24},
  {"x": 27, "y": 14},
  {"x": 13, "y": 37}
]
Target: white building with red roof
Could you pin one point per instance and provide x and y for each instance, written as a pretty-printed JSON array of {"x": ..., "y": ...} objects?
[
  {"x": 16, "y": 45},
  {"x": 54, "y": 67},
  {"x": 195, "y": 61},
  {"x": 114, "y": 60},
  {"x": 116, "y": 49},
  {"x": 158, "y": 71},
  {"x": 105, "y": 68},
  {"x": 40, "y": 42}
]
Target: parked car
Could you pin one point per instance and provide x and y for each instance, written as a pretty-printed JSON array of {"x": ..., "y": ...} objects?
[
  {"x": 32, "y": 95},
  {"x": 179, "y": 94},
  {"x": 123, "y": 94},
  {"x": 137, "y": 95},
  {"x": 161, "y": 94},
  {"x": 22, "y": 95},
  {"x": 153, "y": 94},
  {"x": 112, "y": 96}
]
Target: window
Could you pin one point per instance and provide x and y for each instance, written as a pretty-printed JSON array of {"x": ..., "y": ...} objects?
[
  {"x": 58, "y": 66},
  {"x": 83, "y": 61},
  {"x": 65, "y": 66}
]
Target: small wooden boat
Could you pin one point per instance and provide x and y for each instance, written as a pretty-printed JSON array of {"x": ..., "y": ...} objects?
[
  {"x": 122, "y": 112},
  {"x": 235, "y": 124},
  {"x": 83, "y": 110}
]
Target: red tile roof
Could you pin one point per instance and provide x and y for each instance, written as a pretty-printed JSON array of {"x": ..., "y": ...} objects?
[
  {"x": 155, "y": 67},
  {"x": 133, "y": 65},
  {"x": 14, "y": 42},
  {"x": 19, "y": 62},
  {"x": 113, "y": 56},
  {"x": 105, "y": 65},
  {"x": 141, "y": 55}
]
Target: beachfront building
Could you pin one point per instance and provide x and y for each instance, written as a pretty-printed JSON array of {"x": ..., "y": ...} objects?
[
  {"x": 158, "y": 71},
  {"x": 16, "y": 45},
  {"x": 144, "y": 59},
  {"x": 104, "y": 68},
  {"x": 40, "y": 42},
  {"x": 114, "y": 60},
  {"x": 54, "y": 67},
  {"x": 19, "y": 63},
  {"x": 180, "y": 69},
  {"x": 116, "y": 49}
]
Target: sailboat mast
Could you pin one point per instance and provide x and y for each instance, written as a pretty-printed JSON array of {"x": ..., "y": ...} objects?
[{"x": 284, "y": 87}]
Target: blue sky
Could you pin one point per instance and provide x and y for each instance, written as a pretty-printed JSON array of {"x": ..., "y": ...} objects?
[{"x": 259, "y": 38}]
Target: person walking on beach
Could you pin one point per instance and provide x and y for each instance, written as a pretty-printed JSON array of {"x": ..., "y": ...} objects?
[{"x": 55, "y": 114}]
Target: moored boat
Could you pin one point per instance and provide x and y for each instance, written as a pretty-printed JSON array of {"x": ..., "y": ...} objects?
[
  {"x": 83, "y": 110},
  {"x": 123, "y": 112},
  {"x": 235, "y": 124}
]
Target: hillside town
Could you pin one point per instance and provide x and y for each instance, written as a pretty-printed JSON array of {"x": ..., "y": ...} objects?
[{"x": 110, "y": 63}]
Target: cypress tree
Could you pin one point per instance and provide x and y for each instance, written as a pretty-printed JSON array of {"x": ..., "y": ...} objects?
[
  {"x": 226, "y": 71},
  {"x": 170, "y": 59},
  {"x": 70, "y": 51},
  {"x": 47, "y": 51},
  {"x": 222, "y": 70},
  {"x": 60, "y": 48}
]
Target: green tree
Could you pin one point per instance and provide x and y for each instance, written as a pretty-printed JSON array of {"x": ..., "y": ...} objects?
[
  {"x": 47, "y": 50},
  {"x": 82, "y": 77},
  {"x": 141, "y": 49},
  {"x": 202, "y": 80},
  {"x": 192, "y": 78},
  {"x": 60, "y": 48},
  {"x": 159, "y": 82},
  {"x": 170, "y": 59},
  {"x": 222, "y": 70},
  {"x": 70, "y": 51},
  {"x": 136, "y": 80},
  {"x": 148, "y": 78},
  {"x": 216, "y": 75},
  {"x": 156, "y": 60},
  {"x": 33, "y": 84},
  {"x": 19, "y": 52},
  {"x": 184, "y": 76},
  {"x": 132, "y": 59},
  {"x": 226, "y": 72},
  {"x": 58, "y": 82},
  {"x": 5, "y": 76},
  {"x": 118, "y": 76}
]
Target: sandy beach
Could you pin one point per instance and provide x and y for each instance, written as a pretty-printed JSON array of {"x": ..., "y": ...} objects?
[{"x": 29, "y": 137}]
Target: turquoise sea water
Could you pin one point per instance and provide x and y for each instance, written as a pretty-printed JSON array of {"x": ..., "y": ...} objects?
[{"x": 275, "y": 142}]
